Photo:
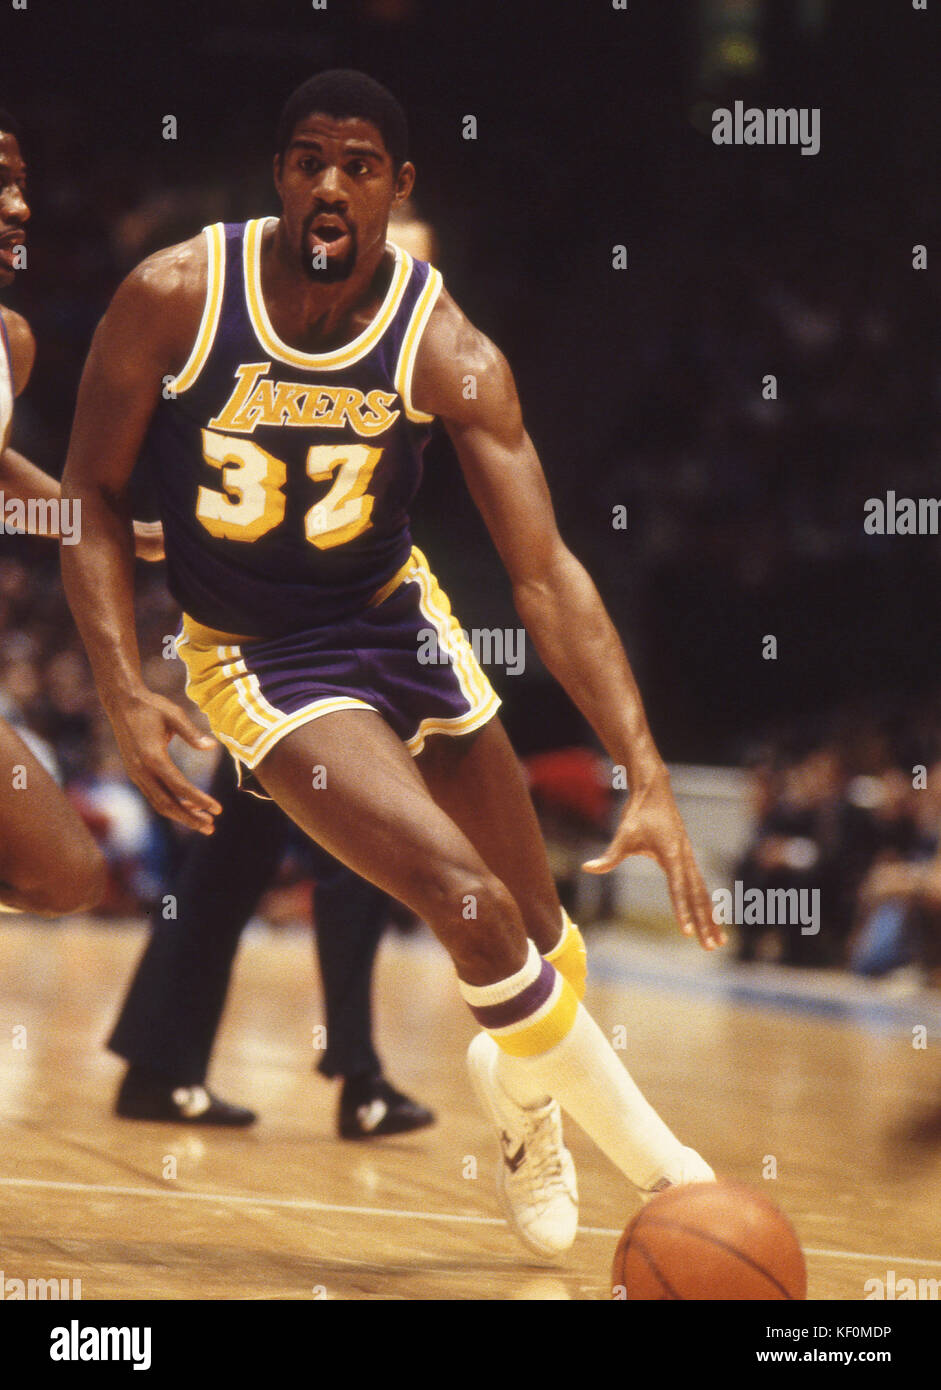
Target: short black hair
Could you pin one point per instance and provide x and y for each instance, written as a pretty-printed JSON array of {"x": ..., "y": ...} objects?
[
  {"x": 9, "y": 124},
  {"x": 344, "y": 92}
]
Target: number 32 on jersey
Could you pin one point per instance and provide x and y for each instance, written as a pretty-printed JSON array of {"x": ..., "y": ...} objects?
[{"x": 253, "y": 501}]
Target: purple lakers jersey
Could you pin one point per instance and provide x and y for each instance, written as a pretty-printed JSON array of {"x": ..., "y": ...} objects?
[{"x": 284, "y": 478}]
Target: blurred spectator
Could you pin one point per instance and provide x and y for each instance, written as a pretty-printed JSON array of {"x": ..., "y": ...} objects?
[
  {"x": 859, "y": 826},
  {"x": 900, "y": 899}
]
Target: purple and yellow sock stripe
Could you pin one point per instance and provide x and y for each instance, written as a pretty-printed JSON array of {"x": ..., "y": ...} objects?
[
  {"x": 569, "y": 956},
  {"x": 529, "y": 1012}
]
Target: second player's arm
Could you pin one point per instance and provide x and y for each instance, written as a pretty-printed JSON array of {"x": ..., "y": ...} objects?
[
  {"x": 19, "y": 477},
  {"x": 141, "y": 339},
  {"x": 23, "y": 480},
  {"x": 554, "y": 595}
]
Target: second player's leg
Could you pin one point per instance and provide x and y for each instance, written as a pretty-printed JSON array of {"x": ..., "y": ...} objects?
[
  {"x": 376, "y": 815},
  {"x": 49, "y": 862}
]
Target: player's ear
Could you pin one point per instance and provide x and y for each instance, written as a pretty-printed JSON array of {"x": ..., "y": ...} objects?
[
  {"x": 404, "y": 183},
  {"x": 277, "y": 165}
]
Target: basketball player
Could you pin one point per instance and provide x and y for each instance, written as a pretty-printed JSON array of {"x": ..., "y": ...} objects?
[
  {"x": 49, "y": 863},
  {"x": 308, "y": 360},
  {"x": 173, "y": 1009}
]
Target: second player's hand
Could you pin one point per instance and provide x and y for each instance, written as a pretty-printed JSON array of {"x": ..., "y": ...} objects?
[
  {"x": 143, "y": 725},
  {"x": 652, "y": 825}
]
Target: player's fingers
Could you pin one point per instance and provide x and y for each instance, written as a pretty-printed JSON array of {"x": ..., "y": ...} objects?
[
  {"x": 198, "y": 803},
  {"x": 603, "y": 864},
  {"x": 708, "y": 930},
  {"x": 157, "y": 774},
  {"x": 186, "y": 730},
  {"x": 620, "y": 846},
  {"x": 166, "y": 804},
  {"x": 627, "y": 839},
  {"x": 707, "y": 913},
  {"x": 683, "y": 904}
]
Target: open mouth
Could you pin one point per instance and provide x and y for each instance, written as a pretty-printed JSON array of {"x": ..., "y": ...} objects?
[{"x": 328, "y": 232}]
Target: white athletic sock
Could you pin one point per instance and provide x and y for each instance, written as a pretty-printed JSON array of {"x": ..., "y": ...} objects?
[
  {"x": 568, "y": 957},
  {"x": 586, "y": 1076}
]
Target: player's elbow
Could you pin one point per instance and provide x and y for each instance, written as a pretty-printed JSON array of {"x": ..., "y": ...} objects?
[{"x": 547, "y": 569}]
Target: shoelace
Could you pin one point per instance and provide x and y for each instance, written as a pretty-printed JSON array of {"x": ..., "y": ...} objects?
[{"x": 544, "y": 1168}]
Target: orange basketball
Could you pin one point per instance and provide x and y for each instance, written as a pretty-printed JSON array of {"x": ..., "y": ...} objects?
[{"x": 709, "y": 1240}]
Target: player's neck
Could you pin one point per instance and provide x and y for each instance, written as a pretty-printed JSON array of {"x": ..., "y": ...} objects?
[{"x": 310, "y": 315}]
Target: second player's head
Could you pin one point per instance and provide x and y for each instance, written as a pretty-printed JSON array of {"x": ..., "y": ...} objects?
[
  {"x": 340, "y": 167},
  {"x": 14, "y": 209}
]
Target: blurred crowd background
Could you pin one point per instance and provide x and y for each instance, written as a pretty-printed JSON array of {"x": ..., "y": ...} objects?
[{"x": 642, "y": 387}]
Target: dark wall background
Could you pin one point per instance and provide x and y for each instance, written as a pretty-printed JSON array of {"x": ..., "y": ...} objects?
[{"x": 641, "y": 387}]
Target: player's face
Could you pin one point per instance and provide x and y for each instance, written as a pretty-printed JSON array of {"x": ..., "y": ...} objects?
[
  {"x": 14, "y": 210},
  {"x": 337, "y": 188}
]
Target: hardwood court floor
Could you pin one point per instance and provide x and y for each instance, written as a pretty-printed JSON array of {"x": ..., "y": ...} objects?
[{"x": 286, "y": 1211}]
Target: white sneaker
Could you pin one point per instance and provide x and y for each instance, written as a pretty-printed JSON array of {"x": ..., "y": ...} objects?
[
  {"x": 687, "y": 1167},
  {"x": 536, "y": 1178}
]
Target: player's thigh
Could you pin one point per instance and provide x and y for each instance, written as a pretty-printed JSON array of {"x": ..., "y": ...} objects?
[
  {"x": 43, "y": 841},
  {"x": 350, "y": 784},
  {"x": 478, "y": 781}
]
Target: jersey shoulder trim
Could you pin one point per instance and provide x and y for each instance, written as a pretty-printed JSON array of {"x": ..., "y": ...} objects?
[
  {"x": 215, "y": 283},
  {"x": 410, "y": 343},
  {"x": 6, "y": 352},
  {"x": 279, "y": 351}
]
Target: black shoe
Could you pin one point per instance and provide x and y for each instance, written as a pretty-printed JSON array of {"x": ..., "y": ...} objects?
[
  {"x": 145, "y": 1097},
  {"x": 369, "y": 1106}
]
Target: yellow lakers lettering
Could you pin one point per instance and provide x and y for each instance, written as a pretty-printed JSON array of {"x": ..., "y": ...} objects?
[{"x": 257, "y": 401}]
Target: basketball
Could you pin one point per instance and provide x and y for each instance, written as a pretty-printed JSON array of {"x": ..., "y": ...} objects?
[{"x": 720, "y": 1241}]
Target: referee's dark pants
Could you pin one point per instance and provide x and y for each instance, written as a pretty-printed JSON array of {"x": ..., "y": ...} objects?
[{"x": 174, "y": 1005}]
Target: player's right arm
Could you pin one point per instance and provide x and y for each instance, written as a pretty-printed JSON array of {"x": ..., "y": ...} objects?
[{"x": 145, "y": 336}]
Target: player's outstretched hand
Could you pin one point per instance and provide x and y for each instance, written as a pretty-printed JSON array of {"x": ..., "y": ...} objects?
[
  {"x": 652, "y": 825},
  {"x": 143, "y": 725},
  {"x": 148, "y": 540}
]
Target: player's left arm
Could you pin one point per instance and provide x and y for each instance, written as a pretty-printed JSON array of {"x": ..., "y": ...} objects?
[
  {"x": 554, "y": 595},
  {"x": 21, "y": 479}
]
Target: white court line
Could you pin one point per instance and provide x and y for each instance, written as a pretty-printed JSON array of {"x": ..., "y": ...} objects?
[{"x": 308, "y": 1204}]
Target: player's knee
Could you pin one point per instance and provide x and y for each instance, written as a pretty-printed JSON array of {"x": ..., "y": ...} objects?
[
  {"x": 454, "y": 894},
  {"x": 78, "y": 885},
  {"x": 477, "y": 919}
]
